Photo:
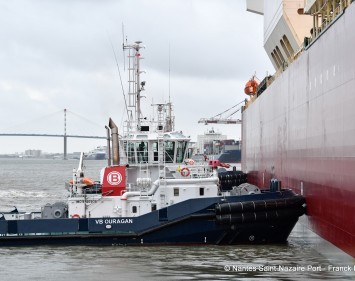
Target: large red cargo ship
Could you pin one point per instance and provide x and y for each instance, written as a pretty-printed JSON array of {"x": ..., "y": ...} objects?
[{"x": 299, "y": 126}]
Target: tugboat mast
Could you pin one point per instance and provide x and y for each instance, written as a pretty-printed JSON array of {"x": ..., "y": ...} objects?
[{"x": 135, "y": 85}]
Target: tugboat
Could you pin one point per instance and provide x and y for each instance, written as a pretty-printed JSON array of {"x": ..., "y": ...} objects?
[{"x": 151, "y": 194}]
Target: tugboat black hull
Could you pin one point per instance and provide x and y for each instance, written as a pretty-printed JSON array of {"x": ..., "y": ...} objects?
[{"x": 261, "y": 218}]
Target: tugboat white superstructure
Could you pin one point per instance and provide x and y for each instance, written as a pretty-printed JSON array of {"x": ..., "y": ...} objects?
[
  {"x": 148, "y": 170},
  {"x": 151, "y": 193}
]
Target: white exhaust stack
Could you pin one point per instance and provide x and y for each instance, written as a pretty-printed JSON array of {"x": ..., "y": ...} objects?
[
  {"x": 108, "y": 146},
  {"x": 115, "y": 146}
]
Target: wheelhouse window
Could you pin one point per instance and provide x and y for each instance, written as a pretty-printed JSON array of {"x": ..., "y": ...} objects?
[
  {"x": 155, "y": 150},
  {"x": 180, "y": 152},
  {"x": 280, "y": 54},
  {"x": 285, "y": 49},
  {"x": 169, "y": 151},
  {"x": 275, "y": 59},
  {"x": 288, "y": 45},
  {"x": 129, "y": 149},
  {"x": 142, "y": 151}
]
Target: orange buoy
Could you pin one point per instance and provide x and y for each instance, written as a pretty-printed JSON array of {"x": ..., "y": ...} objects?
[
  {"x": 75, "y": 216},
  {"x": 251, "y": 87}
]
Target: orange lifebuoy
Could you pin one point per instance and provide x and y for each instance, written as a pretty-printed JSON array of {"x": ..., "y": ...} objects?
[
  {"x": 75, "y": 216},
  {"x": 185, "y": 172},
  {"x": 191, "y": 161}
]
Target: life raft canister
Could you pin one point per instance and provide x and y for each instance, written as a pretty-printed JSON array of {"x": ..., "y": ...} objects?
[
  {"x": 185, "y": 172},
  {"x": 86, "y": 181}
]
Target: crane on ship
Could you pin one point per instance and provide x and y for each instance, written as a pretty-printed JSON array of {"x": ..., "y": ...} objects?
[{"x": 220, "y": 119}]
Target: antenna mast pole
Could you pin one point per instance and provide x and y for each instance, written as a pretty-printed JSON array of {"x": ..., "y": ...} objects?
[{"x": 136, "y": 85}]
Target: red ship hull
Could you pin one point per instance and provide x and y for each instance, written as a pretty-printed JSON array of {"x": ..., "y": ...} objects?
[{"x": 301, "y": 130}]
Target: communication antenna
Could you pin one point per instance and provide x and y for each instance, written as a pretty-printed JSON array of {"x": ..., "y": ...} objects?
[
  {"x": 119, "y": 73},
  {"x": 123, "y": 53},
  {"x": 169, "y": 72},
  {"x": 169, "y": 121}
]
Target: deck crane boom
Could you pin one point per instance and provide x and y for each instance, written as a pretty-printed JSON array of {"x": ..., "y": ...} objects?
[{"x": 217, "y": 119}]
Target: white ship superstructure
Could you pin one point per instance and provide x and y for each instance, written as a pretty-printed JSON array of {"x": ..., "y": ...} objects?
[{"x": 284, "y": 28}]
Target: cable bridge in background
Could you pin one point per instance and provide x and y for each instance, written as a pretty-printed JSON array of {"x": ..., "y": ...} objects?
[{"x": 65, "y": 136}]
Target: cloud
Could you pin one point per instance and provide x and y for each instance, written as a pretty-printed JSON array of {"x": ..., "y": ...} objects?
[{"x": 57, "y": 54}]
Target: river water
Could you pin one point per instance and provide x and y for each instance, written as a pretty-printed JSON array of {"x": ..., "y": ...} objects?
[{"x": 28, "y": 184}]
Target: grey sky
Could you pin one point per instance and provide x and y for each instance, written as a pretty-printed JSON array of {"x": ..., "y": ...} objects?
[{"x": 56, "y": 54}]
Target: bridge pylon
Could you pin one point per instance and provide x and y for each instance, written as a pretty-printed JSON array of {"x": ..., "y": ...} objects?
[{"x": 65, "y": 135}]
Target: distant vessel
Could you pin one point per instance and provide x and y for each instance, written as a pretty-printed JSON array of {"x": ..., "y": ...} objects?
[
  {"x": 299, "y": 124},
  {"x": 230, "y": 154},
  {"x": 150, "y": 194},
  {"x": 214, "y": 145},
  {"x": 99, "y": 153}
]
